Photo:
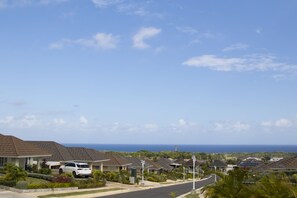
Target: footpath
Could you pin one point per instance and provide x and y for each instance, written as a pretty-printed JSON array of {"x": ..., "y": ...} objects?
[{"x": 123, "y": 188}]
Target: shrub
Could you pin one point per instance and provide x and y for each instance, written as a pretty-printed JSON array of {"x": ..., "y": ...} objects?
[
  {"x": 41, "y": 176},
  {"x": 22, "y": 185},
  {"x": 14, "y": 173},
  {"x": 90, "y": 183},
  {"x": 112, "y": 176},
  {"x": 9, "y": 183},
  {"x": 98, "y": 175},
  {"x": 62, "y": 179},
  {"x": 45, "y": 171},
  {"x": 50, "y": 185},
  {"x": 156, "y": 178}
]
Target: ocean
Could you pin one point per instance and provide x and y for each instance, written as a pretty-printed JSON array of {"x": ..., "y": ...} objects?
[{"x": 189, "y": 148}]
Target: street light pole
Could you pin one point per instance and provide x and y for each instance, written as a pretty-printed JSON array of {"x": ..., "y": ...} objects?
[
  {"x": 215, "y": 173},
  {"x": 194, "y": 160},
  {"x": 142, "y": 171}
]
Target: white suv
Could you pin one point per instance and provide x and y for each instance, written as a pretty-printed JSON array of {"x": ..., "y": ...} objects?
[{"x": 76, "y": 169}]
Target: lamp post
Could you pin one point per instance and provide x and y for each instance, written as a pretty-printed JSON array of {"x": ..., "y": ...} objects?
[
  {"x": 142, "y": 171},
  {"x": 194, "y": 160},
  {"x": 215, "y": 173}
]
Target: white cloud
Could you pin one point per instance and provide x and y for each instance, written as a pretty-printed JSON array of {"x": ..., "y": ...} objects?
[
  {"x": 144, "y": 34},
  {"x": 188, "y": 30},
  {"x": 280, "y": 123},
  {"x": 98, "y": 41},
  {"x": 7, "y": 120},
  {"x": 105, "y": 3},
  {"x": 59, "y": 121},
  {"x": 24, "y": 3},
  {"x": 231, "y": 126},
  {"x": 246, "y": 63},
  {"x": 83, "y": 120},
  {"x": 28, "y": 121},
  {"x": 237, "y": 46},
  {"x": 151, "y": 127}
]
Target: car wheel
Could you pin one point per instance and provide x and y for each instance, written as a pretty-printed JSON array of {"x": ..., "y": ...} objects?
[
  {"x": 74, "y": 174},
  {"x": 60, "y": 171}
]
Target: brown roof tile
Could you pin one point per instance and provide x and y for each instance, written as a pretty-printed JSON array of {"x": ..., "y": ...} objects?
[
  {"x": 11, "y": 146},
  {"x": 116, "y": 160},
  {"x": 58, "y": 151},
  {"x": 86, "y": 154}
]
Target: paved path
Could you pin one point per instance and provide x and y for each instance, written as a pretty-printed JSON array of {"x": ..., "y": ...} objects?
[
  {"x": 9, "y": 194},
  {"x": 163, "y": 192}
]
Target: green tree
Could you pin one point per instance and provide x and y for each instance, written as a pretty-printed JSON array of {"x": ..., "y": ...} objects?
[
  {"x": 276, "y": 186},
  {"x": 229, "y": 186},
  {"x": 14, "y": 173}
]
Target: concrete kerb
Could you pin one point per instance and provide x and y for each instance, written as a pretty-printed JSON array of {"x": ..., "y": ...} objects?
[
  {"x": 36, "y": 190},
  {"x": 197, "y": 190}
]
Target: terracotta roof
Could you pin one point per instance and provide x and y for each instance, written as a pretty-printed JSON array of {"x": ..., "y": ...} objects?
[
  {"x": 86, "y": 154},
  {"x": 116, "y": 160},
  {"x": 58, "y": 151},
  {"x": 11, "y": 146}
]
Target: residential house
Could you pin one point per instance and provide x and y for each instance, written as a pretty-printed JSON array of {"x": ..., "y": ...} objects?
[
  {"x": 218, "y": 165},
  {"x": 95, "y": 159},
  {"x": 60, "y": 153},
  {"x": 250, "y": 162},
  {"x": 115, "y": 163},
  {"x": 21, "y": 153},
  {"x": 288, "y": 165}
]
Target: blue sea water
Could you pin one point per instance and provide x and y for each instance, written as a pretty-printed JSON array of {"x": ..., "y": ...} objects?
[{"x": 189, "y": 148}]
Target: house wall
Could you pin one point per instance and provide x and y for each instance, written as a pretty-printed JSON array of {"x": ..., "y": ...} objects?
[{"x": 111, "y": 168}]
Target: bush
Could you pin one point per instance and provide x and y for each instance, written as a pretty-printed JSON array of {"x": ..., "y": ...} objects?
[
  {"x": 9, "y": 183},
  {"x": 50, "y": 185},
  {"x": 62, "y": 179},
  {"x": 14, "y": 173},
  {"x": 156, "y": 178},
  {"x": 22, "y": 185},
  {"x": 41, "y": 176},
  {"x": 98, "y": 176},
  {"x": 112, "y": 176},
  {"x": 45, "y": 171},
  {"x": 90, "y": 183},
  {"x": 2, "y": 171}
]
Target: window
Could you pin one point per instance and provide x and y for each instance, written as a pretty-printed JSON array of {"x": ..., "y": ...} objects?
[{"x": 3, "y": 161}]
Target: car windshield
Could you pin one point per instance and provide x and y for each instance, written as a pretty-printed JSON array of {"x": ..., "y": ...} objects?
[{"x": 82, "y": 166}]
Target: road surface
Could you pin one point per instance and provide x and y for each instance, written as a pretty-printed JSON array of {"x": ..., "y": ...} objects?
[{"x": 163, "y": 192}]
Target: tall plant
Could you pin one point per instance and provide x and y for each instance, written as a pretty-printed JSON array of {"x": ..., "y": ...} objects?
[{"x": 14, "y": 173}]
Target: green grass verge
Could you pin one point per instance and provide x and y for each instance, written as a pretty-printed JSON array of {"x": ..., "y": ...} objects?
[{"x": 79, "y": 193}]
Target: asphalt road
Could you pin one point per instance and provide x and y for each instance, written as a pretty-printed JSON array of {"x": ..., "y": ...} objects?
[{"x": 163, "y": 192}]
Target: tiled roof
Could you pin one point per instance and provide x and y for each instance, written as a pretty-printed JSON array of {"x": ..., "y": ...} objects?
[
  {"x": 218, "y": 164},
  {"x": 116, "y": 160},
  {"x": 284, "y": 164},
  {"x": 86, "y": 154},
  {"x": 58, "y": 151},
  {"x": 153, "y": 165},
  {"x": 165, "y": 164},
  {"x": 11, "y": 146}
]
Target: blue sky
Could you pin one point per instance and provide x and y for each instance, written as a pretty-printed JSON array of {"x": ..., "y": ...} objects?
[{"x": 154, "y": 71}]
